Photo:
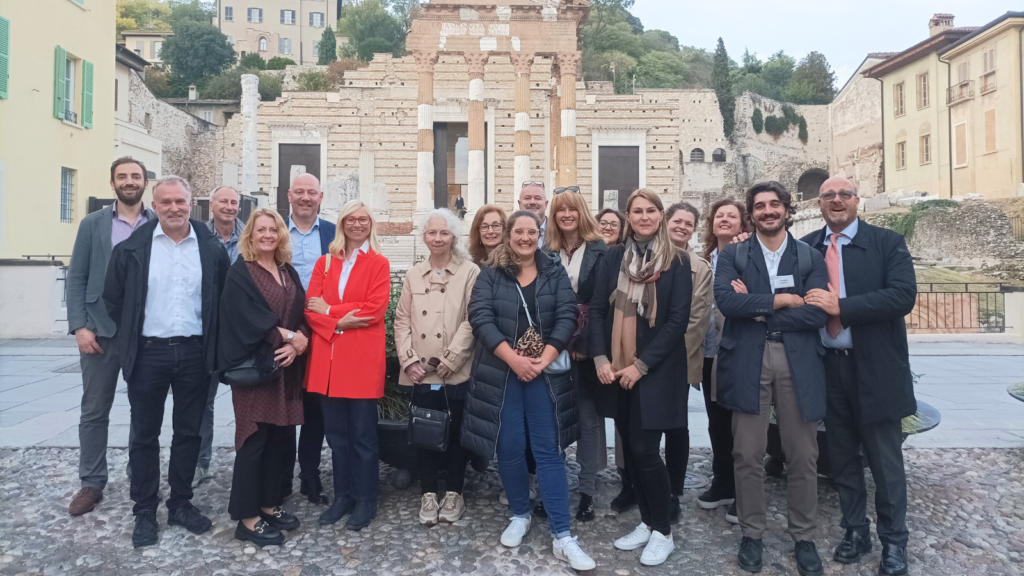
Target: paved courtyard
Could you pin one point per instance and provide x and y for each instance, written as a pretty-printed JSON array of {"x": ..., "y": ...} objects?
[{"x": 965, "y": 478}]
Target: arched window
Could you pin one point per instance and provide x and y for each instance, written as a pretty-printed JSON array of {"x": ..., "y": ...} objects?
[
  {"x": 718, "y": 155},
  {"x": 696, "y": 155},
  {"x": 263, "y": 44}
]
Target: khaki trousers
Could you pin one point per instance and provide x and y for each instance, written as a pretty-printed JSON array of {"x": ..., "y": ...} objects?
[{"x": 799, "y": 443}]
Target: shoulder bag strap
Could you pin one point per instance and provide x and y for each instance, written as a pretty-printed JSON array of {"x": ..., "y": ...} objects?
[{"x": 525, "y": 307}]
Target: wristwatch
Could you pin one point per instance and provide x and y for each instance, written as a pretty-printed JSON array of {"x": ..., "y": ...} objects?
[{"x": 291, "y": 336}]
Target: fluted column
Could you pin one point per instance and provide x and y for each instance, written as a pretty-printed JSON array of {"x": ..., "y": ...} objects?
[
  {"x": 521, "y": 145},
  {"x": 567, "y": 150},
  {"x": 475, "y": 61},
  {"x": 425, "y": 134},
  {"x": 555, "y": 115}
]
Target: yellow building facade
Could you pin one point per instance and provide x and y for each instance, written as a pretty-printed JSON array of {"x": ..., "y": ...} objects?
[
  {"x": 56, "y": 120},
  {"x": 986, "y": 109}
]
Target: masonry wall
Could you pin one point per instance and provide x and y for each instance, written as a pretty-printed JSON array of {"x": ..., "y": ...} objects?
[{"x": 856, "y": 129}]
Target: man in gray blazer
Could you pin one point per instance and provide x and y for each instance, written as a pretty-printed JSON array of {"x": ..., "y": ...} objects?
[{"x": 95, "y": 332}]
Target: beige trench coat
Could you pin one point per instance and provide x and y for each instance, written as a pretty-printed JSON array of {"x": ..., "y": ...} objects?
[
  {"x": 700, "y": 311},
  {"x": 432, "y": 321}
]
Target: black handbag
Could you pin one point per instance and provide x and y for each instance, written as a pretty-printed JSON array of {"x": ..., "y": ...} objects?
[
  {"x": 428, "y": 428},
  {"x": 256, "y": 370}
]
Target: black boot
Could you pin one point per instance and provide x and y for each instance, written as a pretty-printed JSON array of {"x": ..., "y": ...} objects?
[
  {"x": 750, "y": 554},
  {"x": 855, "y": 544},
  {"x": 808, "y": 563},
  {"x": 585, "y": 512},
  {"x": 313, "y": 489},
  {"x": 894, "y": 560},
  {"x": 341, "y": 506},
  {"x": 363, "y": 514},
  {"x": 625, "y": 500},
  {"x": 674, "y": 510}
]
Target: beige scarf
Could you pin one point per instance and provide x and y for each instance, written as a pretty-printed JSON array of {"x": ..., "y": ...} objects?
[{"x": 635, "y": 295}]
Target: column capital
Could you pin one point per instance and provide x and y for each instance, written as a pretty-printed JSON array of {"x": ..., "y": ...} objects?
[
  {"x": 425, "y": 61},
  {"x": 522, "y": 62},
  {"x": 476, "y": 61},
  {"x": 568, "y": 61}
]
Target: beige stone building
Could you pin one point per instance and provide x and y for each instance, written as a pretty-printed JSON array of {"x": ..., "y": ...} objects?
[
  {"x": 855, "y": 124},
  {"x": 286, "y": 28},
  {"x": 146, "y": 43}
]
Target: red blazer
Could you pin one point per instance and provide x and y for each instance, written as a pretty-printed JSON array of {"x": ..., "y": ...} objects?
[{"x": 350, "y": 364}]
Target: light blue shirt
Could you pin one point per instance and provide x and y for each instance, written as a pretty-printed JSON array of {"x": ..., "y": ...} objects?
[
  {"x": 305, "y": 250},
  {"x": 845, "y": 338}
]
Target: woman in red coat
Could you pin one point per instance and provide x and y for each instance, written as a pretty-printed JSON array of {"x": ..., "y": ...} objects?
[{"x": 347, "y": 297}]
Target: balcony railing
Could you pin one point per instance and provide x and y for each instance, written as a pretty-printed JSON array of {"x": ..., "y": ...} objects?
[
  {"x": 71, "y": 116},
  {"x": 988, "y": 82},
  {"x": 960, "y": 92}
]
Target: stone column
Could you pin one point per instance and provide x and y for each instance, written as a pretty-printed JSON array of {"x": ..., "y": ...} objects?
[
  {"x": 475, "y": 61},
  {"x": 555, "y": 121},
  {"x": 250, "y": 102},
  {"x": 521, "y": 145},
  {"x": 567, "y": 149},
  {"x": 425, "y": 134}
]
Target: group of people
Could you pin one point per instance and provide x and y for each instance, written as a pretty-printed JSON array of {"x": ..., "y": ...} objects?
[{"x": 548, "y": 321}]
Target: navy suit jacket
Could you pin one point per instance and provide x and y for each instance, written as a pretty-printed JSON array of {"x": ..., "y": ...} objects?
[
  {"x": 741, "y": 350},
  {"x": 327, "y": 232}
]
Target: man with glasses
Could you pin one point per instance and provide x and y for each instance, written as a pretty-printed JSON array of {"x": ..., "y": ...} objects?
[
  {"x": 868, "y": 384},
  {"x": 533, "y": 198}
]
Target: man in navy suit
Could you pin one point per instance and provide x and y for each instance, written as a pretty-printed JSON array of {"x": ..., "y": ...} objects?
[
  {"x": 770, "y": 353},
  {"x": 869, "y": 387}
]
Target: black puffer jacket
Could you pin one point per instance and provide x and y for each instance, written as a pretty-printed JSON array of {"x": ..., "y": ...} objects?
[{"x": 493, "y": 313}]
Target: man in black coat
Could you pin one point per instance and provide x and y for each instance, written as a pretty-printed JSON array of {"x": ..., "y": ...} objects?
[
  {"x": 162, "y": 291},
  {"x": 770, "y": 353},
  {"x": 872, "y": 287}
]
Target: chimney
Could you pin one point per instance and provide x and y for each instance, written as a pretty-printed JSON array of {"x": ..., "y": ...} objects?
[
  {"x": 939, "y": 24},
  {"x": 193, "y": 94}
]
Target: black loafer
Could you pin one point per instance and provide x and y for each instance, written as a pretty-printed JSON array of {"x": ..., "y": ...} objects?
[
  {"x": 146, "y": 530},
  {"x": 313, "y": 489},
  {"x": 894, "y": 560},
  {"x": 750, "y": 554},
  {"x": 855, "y": 544},
  {"x": 280, "y": 519},
  {"x": 190, "y": 518},
  {"x": 361, "y": 517},
  {"x": 585, "y": 512},
  {"x": 808, "y": 563},
  {"x": 262, "y": 534},
  {"x": 625, "y": 501},
  {"x": 341, "y": 506}
]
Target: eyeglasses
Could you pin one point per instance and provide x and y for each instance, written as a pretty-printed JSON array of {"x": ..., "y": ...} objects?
[
  {"x": 361, "y": 220},
  {"x": 843, "y": 194},
  {"x": 525, "y": 184},
  {"x": 569, "y": 188},
  {"x": 603, "y": 224},
  {"x": 489, "y": 227},
  {"x": 531, "y": 232}
]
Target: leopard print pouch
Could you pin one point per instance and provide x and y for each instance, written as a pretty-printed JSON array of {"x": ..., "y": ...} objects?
[{"x": 530, "y": 343}]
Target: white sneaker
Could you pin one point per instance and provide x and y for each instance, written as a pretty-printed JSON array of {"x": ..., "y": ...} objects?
[
  {"x": 503, "y": 498},
  {"x": 428, "y": 509},
  {"x": 657, "y": 550},
  {"x": 568, "y": 550},
  {"x": 513, "y": 535},
  {"x": 638, "y": 538}
]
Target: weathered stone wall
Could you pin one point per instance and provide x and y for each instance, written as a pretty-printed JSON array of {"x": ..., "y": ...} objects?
[{"x": 856, "y": 127}]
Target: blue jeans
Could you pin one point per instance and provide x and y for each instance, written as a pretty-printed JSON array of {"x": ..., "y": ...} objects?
[{"x": 531, "y": 402}]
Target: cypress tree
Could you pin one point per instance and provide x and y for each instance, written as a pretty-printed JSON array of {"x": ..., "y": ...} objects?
[
  {"x": 328, "y": 51},
  {"x": 722, "y": 84}
]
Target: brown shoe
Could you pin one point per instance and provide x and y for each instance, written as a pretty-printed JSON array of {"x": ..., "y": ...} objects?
[{"x": 85, "y": 501}]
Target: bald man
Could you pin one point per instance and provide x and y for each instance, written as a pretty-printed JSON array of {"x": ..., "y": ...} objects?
[
  {"x": 869, "y": 387},
  {"x": 310, "y": 236},
  {"x": 533, "y": 198}
]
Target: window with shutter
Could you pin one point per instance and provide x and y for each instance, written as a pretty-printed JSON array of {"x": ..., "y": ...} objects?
[
  {"x": 86, "y": 94},
  {"x": 960, "y": 145},
  {"x": 60, "y": 62},
  {"x": 229, "y": 13},
  {"x": 990, "y": 130},
  {"x": 899, "y": 101},
  {"x": 5, "y": 57}
]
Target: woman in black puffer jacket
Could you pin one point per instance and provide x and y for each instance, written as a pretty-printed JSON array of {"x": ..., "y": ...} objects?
[{"x": 520, "y": 286}]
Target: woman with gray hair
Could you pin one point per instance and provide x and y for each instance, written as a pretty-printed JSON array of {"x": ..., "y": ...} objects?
[{"x": 435, "y": 347}]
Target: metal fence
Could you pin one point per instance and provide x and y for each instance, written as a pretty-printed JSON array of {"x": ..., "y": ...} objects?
[
  {"x": 958, "y": 308},
  {"x": 1017, "y": 224}
]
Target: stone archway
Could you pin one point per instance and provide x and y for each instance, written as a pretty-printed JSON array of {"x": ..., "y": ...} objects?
[{"x": 810, "y": 182}]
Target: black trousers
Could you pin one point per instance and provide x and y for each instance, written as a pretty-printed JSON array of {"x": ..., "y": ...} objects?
[
  {"x": 720, "y": 431},
  {"x": 882, "y": 445},
  {"x": 647, "y": 471},
  {"x": 311, "y": 441},
  {"x": 453, "y": 460},
  {"x": 677, "y": 454},
  {"x": 256, "y": 481},
  {"x": 159, "y": 367},
  {"x": 350, "y": 425}
]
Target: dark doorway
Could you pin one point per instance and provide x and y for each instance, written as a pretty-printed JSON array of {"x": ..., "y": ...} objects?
[
  {"x": 451, "y": 160},
  {"x": 619, "y": 169},
  {"x": 289, "y": 155},
  {"x": 809, "y": 184}
]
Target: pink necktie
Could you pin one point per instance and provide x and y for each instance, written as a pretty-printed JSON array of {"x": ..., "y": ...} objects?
[{"x": 834, "y": 325}]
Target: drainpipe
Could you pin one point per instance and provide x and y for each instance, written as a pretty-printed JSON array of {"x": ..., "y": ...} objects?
[
  {"x": 881, "y": 91},
  {"x": 949, "y": 122},
  {"x": 1020, "y": 44}
]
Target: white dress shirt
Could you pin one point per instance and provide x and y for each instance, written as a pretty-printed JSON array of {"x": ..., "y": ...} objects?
[
  {"x": 572, "y": 265},
  {"x": 346, "y": 267},
  {"x": 772, "y": 259},
  {"x": 174, "y": 301},
  {"x": 845, "y": 338}
]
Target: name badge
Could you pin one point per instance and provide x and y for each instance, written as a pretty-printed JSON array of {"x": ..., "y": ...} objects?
[{"x": 784, "y": 282}]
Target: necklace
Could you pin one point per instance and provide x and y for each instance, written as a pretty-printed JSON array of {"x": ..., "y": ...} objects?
[{"x": 571, "y": 251}]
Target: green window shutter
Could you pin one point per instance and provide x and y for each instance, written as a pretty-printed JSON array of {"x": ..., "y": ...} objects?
[
  {"x": 59, "y": 69},
  {"x": 5, "y": 56},
  {"x": 86, "y": 94}
]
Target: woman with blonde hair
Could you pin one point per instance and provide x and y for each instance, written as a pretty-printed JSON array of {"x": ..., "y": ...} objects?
[
  {"x": 638, "y": 319},
  {"x": 581, "y": 249},
  {"x": 348, "y": 296},
  {"x": 485, "y": 233},
  {"x": 261, "y": 316}
]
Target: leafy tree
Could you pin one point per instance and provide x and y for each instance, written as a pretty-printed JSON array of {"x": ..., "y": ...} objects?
[
  {"x": 195, "y": 53},
  {"x": 661, "y": 70},
  {"x": 156, "y": 81},
  {"x": 602, "y": 14},
  {"x": 751, "y": 65},
  {"x": 336, "y": 70},
  {"x": 328, "y": 50},
  {"x": 776, "y": 125},
  {"x": 371, "y": 28},
  {"x": 371, "y": 46},
  {"x": 776, "y": 73},
  {"x": 278, "y": 63},
  {"x": 228, "y": 85},
  {"x": 790, "y": 113},
  {"x": 757, "y": 120},
  {"x": 812, "y": 82},
  {"x": 722, "y": 85},
  {"x": 660, "y": 41},
  {"x": 252, "y": 61},
  {"x": 314, "y": 81},
  {"x": 404, "y": 10},
  {"x": 191, "y": 10},
  {"x": 749, "y": 83},
  {"x": 699, "y": 64},
  {"x": 599, "y": 67},
  {"x": 142, "y": 15},
  {"x": 618, "y": 37}
]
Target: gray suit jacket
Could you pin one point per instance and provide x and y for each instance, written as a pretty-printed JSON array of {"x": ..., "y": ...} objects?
[{"x": 88, "y": 271}]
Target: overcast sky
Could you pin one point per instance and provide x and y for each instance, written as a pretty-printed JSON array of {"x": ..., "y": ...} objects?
[{"x": 844, "y": 30}]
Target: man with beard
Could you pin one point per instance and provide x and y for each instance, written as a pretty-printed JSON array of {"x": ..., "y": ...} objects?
[
  {"x": 95, "y": 332},
  {"x": 770, "y": 353},
  {"x": 533, "y": 199},
  {"x": 869, "y": 387}
]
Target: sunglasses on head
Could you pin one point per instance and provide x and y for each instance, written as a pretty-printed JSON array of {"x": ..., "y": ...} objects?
[
  {"x": 567, "y": 188},
  {"x": 525, "y": 184}
]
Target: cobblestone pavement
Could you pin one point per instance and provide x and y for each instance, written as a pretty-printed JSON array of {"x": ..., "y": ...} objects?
[{"x": 966, "y": 517}]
